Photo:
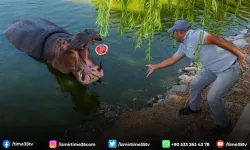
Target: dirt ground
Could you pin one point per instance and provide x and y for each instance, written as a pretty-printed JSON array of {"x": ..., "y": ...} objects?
[{"x": 163, "y": 122}]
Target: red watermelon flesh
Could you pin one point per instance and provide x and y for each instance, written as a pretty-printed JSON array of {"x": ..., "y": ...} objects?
[{"x": 101, "y": 49}]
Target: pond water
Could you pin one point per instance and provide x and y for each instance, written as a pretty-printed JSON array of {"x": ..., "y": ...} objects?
[{"x": 34, "y": 96}]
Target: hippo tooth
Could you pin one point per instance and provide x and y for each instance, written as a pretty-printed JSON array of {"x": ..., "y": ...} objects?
[
  {"x": 88, "y": 77},
  {"x": 91, "y": 76},
  {"x": 100, "y": 66},
  {"x": 83, "y": 75},
  {"x": 96, "y": 74}
]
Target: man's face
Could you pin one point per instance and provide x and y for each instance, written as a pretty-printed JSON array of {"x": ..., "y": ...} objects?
[{"x": 178, "y": 36}]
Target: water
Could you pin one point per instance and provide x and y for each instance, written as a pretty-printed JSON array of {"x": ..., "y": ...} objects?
[{"x": 36, "y": 99}]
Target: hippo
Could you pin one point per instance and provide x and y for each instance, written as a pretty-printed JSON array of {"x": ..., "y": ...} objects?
[{"x": 67, "y": 53}]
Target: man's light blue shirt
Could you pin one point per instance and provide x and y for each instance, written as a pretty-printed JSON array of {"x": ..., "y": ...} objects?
[{"x": 213, "y": 58}]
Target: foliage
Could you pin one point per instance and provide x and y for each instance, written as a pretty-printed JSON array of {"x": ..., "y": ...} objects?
[{"x": 145, "y": 19}]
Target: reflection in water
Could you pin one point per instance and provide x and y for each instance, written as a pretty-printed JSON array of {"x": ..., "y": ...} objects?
[{"x": 84, "y": 101}]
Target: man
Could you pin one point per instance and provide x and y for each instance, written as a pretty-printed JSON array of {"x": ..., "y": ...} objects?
[{"x": 222, "y": 63}]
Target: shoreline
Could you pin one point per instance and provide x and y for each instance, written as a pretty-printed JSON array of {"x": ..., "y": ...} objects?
[{"x": 152, "y": 116}]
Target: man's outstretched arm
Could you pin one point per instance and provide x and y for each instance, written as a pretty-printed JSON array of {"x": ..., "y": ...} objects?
[
  {"x": 165, "y": 63},
  {"x": 169, "y": 61}
]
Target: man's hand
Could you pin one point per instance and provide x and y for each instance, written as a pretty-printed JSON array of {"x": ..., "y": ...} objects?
[
  {"x": 165, "y": 63},
  {"x": 151, "y": 69},
  {"x": 242, "y": 61}
]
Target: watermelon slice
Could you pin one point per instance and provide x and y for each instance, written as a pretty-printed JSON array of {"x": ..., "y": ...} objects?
[{"x": 101, "y": 49}]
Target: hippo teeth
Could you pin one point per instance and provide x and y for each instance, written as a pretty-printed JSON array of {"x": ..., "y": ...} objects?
[
  {"x": 100, "y": 66},
  {"x": 91, "y": 76},
  {"x": 96, "y": 74},
  {"x": 82, "y": 76}
]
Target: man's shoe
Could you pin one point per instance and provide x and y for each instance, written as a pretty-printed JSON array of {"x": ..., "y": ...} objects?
[
  {"x": 187, "y": 110},
  {"x": 216, "y": 129}
]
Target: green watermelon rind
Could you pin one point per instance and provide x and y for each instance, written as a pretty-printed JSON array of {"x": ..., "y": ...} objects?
[{"x": 102, "y": 54}]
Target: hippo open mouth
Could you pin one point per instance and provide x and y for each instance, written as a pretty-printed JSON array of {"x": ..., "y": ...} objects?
[
  {"x": 89, "y": 71},
  {"x": 90, "y": 74}
]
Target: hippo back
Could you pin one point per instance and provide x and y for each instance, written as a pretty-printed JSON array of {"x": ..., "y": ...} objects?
[{"x": 29, "y": 35}]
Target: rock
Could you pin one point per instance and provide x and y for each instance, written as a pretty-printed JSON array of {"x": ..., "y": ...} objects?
[
  {"x": 159, "y": 103},
  {"x": 246, "y": 74},
  {"x": 159, "y": 96},
  {"x": 152, "y": 100},
  {"x": 167, "y": 89},
  {"x": 187, "y": 70},
  {"x": 155, "y": 99},
  {"x": 184, "y": 79},
  {"x": 156, "y": 104},
  {"x": 178, "y": 88},
  {"x": 190, "y": 69},
  {"x": 248, "y": 26},
  {"x": 191, "y": 64},
  {"x": 180, "y": 70},
  {"x": 240, "y": 42},
  {"x": 239, "y": 107},
  {"x": 230, "y": 38},
  {"x": 166, "y": 100},
  {"x": 237, "y": 90},
  {"x": 248, "y": 58},
  {"x": 181, "y": 77},
  {"x": 248, "y": 31},
  {"x": 182, "y": 82},
  {"x": 160, "y": 100},
  {"x": 246, "y": 83},
  {"x": 175, "y": 97},
  {"x": 244, "y": 31},
  {"x": 192, "y": 73},
  {"x": 240, "y": 36},
  {"x": 229, "y": 105}
]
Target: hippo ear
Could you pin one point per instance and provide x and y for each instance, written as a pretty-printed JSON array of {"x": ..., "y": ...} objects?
[
  {"x": 62, "y": 43},
  {"x": 79, "y": 40}
]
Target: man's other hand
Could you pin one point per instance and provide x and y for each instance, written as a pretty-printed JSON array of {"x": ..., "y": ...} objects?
[{"x": 242, "y": 62}]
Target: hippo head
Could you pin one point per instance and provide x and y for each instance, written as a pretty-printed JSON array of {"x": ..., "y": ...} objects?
[{"x": 74, "y": 57}]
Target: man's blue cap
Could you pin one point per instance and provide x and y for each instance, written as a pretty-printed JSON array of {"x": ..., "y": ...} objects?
[{"x": 182, "y": 25}]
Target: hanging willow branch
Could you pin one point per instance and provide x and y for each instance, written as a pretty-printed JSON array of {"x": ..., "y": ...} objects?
[
  {"x": 145, "y": 19},
  {"x": 103, "y": 17}
]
